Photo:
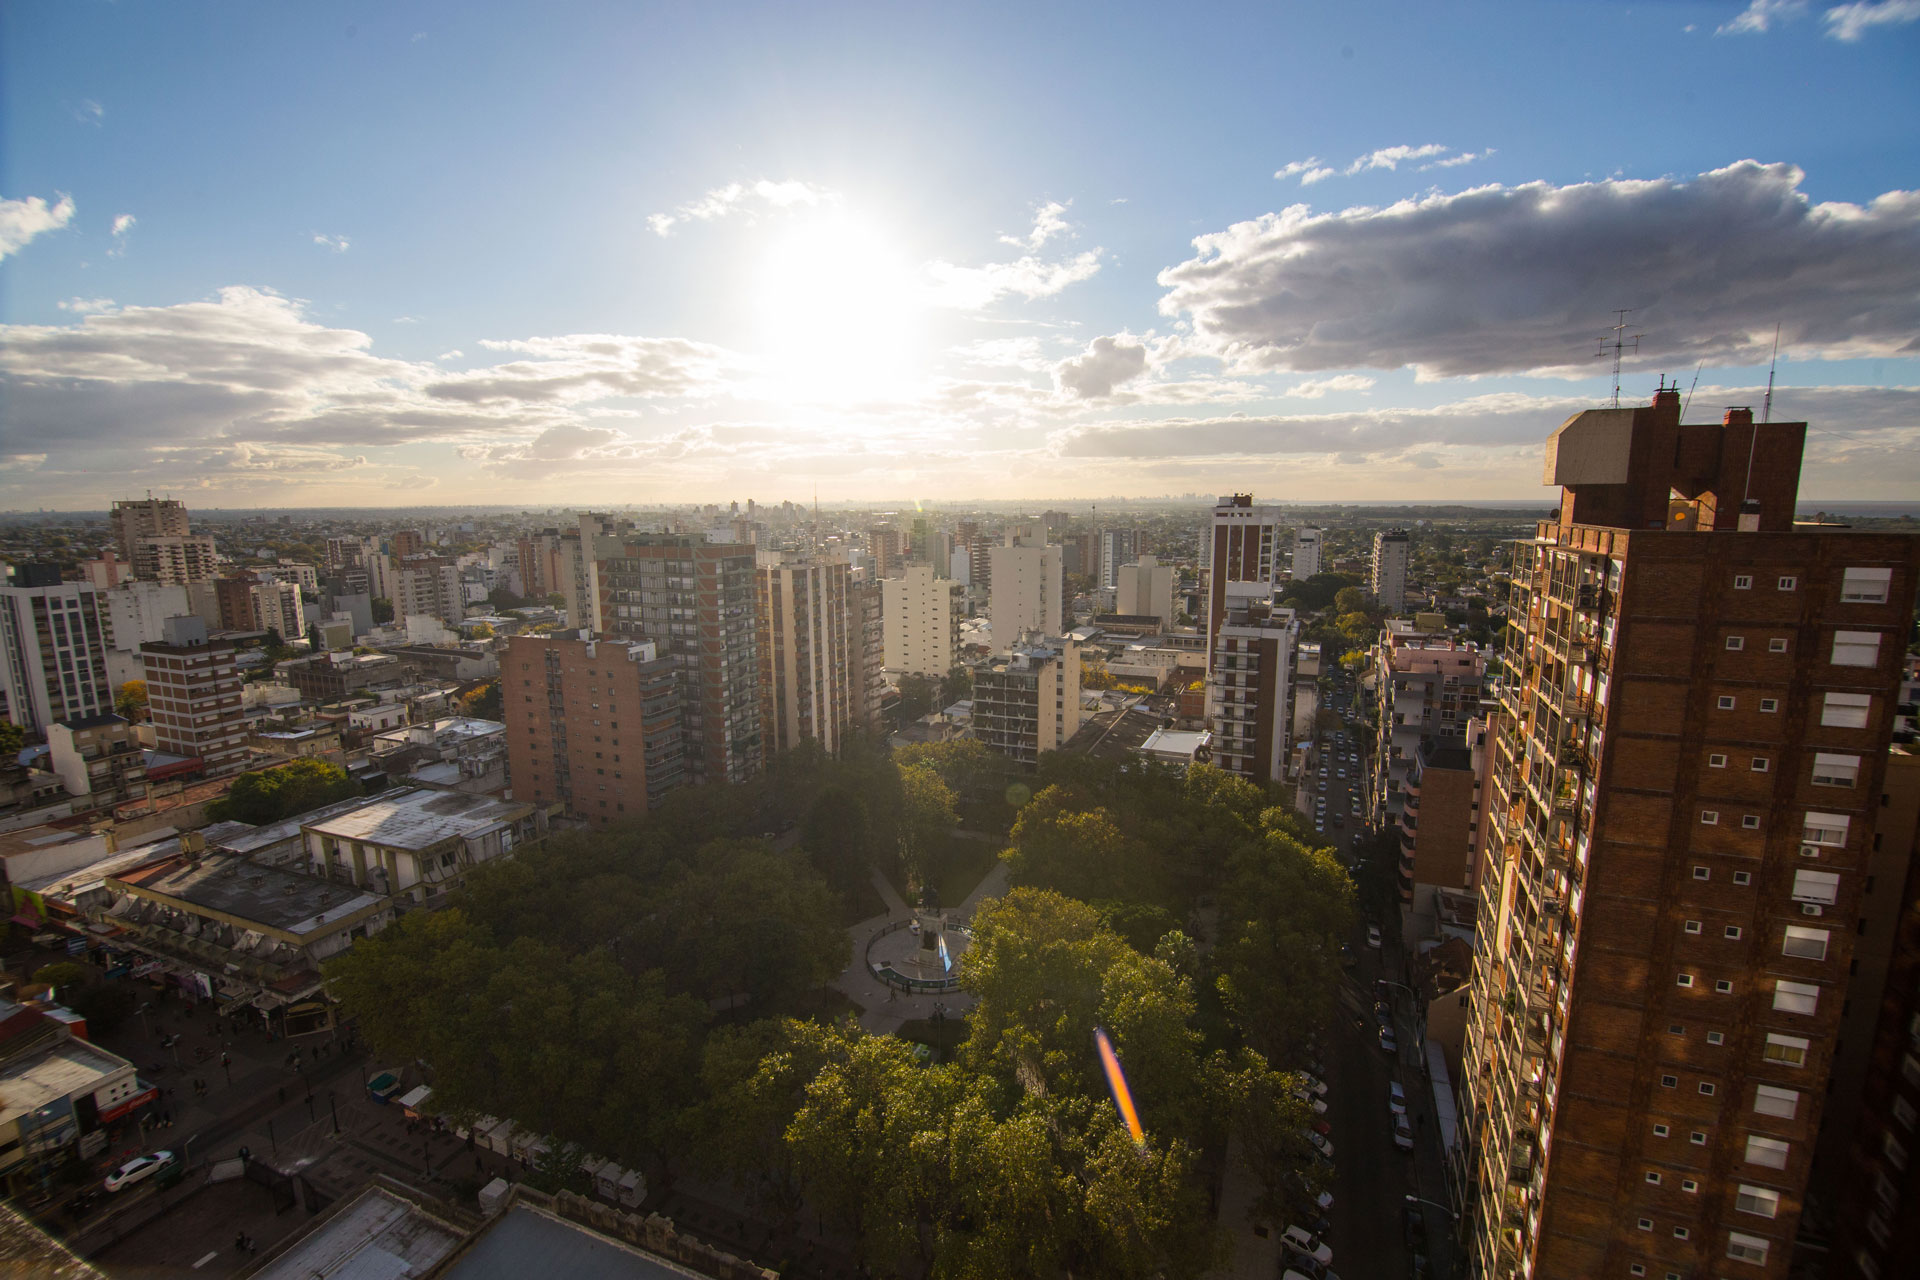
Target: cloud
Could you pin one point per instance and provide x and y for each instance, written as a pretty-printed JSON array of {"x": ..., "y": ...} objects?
[
  {"x": 1311, "y": 170},
  {"x": 1851, "y": 21},
  {"x": 1318, "y": 388},
  {"x": 122, "y": 228},
  {"x": 87, "y": 111},
  {"x": 971, "y": 288},
  {"x": 735, "y": 196},
  {"x": 22, "y": 220},
  {"x": 1509, "y": 279},
  {"x": 406, "y": 320},
  {"x": 1760, "y": 15},
  {"x": 1005, "y": 353},
  {"x": 1047, "y": 223},
  {"x": 339, "y": 244},
  {"x": 86, "y": 306},
  {"x": 1454, "y": 162},
  {"x": 590, "y": 366},
  {"x": 1107, "y": 363},
  {"x": 1392, "y": 157},
  {"x": 455, "y": 354}
]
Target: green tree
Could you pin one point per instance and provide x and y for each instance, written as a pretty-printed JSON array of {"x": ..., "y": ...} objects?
[
  {"x": 956, "y": 686},
  {"x": 282, "y": 792},
  {"x": 484, "y": 703},
  {"x": 12, "y": 739},
  {"x": 382, "y": 609},
  {"x": 926, "y": 818},
  {"x": 916, "y": 697},
  {"x": 62, "y": 973},
  {"x": 557, "y": 601},
  {"x": 131, "y": 700},
  {"x": 1350, "y": 600},
  {"x": 482, "y": 631}
]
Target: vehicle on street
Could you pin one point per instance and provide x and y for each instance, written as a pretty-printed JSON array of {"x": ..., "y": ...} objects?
[
  {"x": 138, "y": 1169},
  {"x": 1413, "y": 1225},
  {"x": 1313, "y": 1104},
  {"x": 1402, "y": 1133},
  {"x": 1396, "y": 1098},
  {"x": 1339, "y": 819},
  {"x": 1300, "y": 1240},
  {"x": 1387, "y": 1041},
  {"x": 1322, "y": 1127},
  {"x": 1373, "y": 936},
  {"x": 1320, "y": 1144},
  {"x": 1313, "y": 1085}
]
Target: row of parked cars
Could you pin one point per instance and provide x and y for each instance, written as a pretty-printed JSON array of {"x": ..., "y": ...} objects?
[{"x": 1306, "y": 1255}]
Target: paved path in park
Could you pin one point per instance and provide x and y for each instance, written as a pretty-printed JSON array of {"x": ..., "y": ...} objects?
[{"x": 884, "y": 1010}]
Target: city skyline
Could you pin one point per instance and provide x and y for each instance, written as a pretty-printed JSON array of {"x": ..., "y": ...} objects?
[{"x": 361, "y": 258}]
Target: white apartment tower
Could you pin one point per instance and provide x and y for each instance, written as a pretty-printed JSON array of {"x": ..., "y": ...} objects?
[
  {"x": 1118, "y": 547},
  {"x": 1146, "y": 590},
  {"x": 920, "y": 617},
  {"x": 1306, "y": 554},
  {"x": 53, "y": 650},
  {"x": 1389, "y": 582},
  {"x": 1027, "y": 585}
]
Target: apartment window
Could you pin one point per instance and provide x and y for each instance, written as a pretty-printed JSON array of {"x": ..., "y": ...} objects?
[
  {"x": 1709, "y": 817},
  {"x": 1760, "y": 764},
  {"x": 1746, "y": 1248},
  {"x": 1717, "y": 760},
  {"x": 1770, "y": 1153},
  {"x": 1731, "y": 931},
  {"x": 1770, "y": 1100},
  {"x": 1778, "y": 644},
  {"x": 1833, "y": 770},
  {"x": 1788, "y": 1051},
  {"x": 1680, "y": 1233},
  {"x": 1758, "y": 1201},
  {"x": 1819, "y": 887},
  {"x": 1726, "y": 702},
  {"x": 1669, "y": 1082},
  {"x": 1904, "y": 1113},
  {"x": 1660, "y": 1131},
  {"x": 1769, "y": 705},
  {"x": 1697, "y": 1138},
  {"x": 1693, "y": 926},
  {"x": 1715, "y": 1037},
  {"x": 1750, "y": 822},
  {"x": 1828, "y": 829},
  {"x": 1701, "y": 873},
  {"x": 1742, "y": 581},
  {"x": 1856, "y": 648},
  {"x": 1723, "y": 987},
  {"x": 1894, "y": 1150},
  {"x": 1865, "y": 586},
  {"x": 1743, "y": 877},
  {"x": 1795, "y": 997},
  {"x": 1736, "y": 643},
  {"x": 1675, "y": 1029},
  {"x": 1653, "y": 1177},
  {"x": 1805, "y": 944},
  {"x": 1706, "y": 1088},
  {"x": 1846, "y": 710},
  {"x": 1685, "y": 980},
  {"x": 1635, "y": 1269},
  {"x": 1646, "y": 1224},
  {"x": 1689, "y": 1186}
]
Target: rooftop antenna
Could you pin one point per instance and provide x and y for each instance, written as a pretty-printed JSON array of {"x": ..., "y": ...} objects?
[
  {"x": 1619, "y": 345},
  {"x": 1766, "y": 413},
  {"x": 1696, "y": 382}
]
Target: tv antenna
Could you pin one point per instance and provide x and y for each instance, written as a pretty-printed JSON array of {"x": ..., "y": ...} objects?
[
  {"x": 1766, "y": 412},
  {"x": 1621, "y": 343}
]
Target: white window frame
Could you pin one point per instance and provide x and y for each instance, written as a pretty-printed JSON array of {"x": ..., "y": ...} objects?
[
  {"x": 1743, "y": 582},
  {"x": 1788, "y": 582},
  {"x": 1828, "y": 830},
  {"x": 1750, "y": 822},
  {"x": 1727, "y": 702},
  {"x": 1772, "y": 1100},
  {"x": 1736, "y": 644},
  {"x": 1863, "y": 585},
  {"x": 1759, "y": 764},
  {"x": 1693, "y": 926},
  {"x": 1846, "y": 710},
  {"x": 1716, "y": 760},
  {"x": 1834, "y": 769},
  {"x": 1768, "y": 1153},
  {"x": 1856, "y": 649},
  {"x": 1742, "y": 1247},
  {"x": 1709, "y": 817},
  {"x": 1761, "y": 1202},
  {"x": 1803, "y": 943},
  {"x": 1683, "y": 980},
  {"x": 1769, "y": 705},
  {"x": 1819, "y": 887},
  {"x": 1791, "y": 1044}
]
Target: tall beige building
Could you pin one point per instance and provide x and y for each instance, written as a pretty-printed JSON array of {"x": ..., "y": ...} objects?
[
  {"x": 134, "y": 519},
  {"x": 1027, "y": 701},
  {"x": 176, "y": 559},
  {"x": 1026, "y": 593},
  {"x": 812, "y": 650},
  {"x": 1146, "y": 590},
  {"x": 920, "y": 617}
]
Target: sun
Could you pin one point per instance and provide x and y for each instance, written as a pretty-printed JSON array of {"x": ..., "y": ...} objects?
[{"x": 839, "y": 311}]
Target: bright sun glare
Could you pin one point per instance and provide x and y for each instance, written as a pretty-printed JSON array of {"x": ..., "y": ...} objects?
[{"x": 840, "y": 311}]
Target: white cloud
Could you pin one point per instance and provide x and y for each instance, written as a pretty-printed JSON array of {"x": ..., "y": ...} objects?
[
  {"x": 122, "y": 228},
  {"x": 1851, "y": 21},
  {"x": 455, "y": 354},
  {"x": 1309, "y": 171},
  {"x": 1312, "y": 170},
  {"x": 971, "y": 288},
  {"x": 22, "y": 220},
  {"x": 589, "y": 366},
  {"x": 1316, "y": 389},
  {"x": 1392, "y": 157},
  {"x": 1507, "y": 279},
  {"x": 1454, "y": 162},
  {"x": 87, "y": 111},
  {"x": 1005, "y": 353},
  {"x": 1760, "y": 15},
  {"x": 86, "y": 306},
  {"x": 339, "y": 244},
  {"x": 735, "y": 196},
  {"x": 1107, "y": 363},
  {"x": 1048, "y": 222}
]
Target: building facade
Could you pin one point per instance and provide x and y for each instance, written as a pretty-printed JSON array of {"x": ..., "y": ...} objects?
[
  {"x": 812, "y": 657},
  {"x": 920, "y": 619},
  {"x": 1146, "y": 590},
  {"x": 1250, "y": 689},
  {"x": 53, "y": 652},
  {"x": 194, "y": 697},
  {"x": 134, "y": 519},
  {"x": 99, "y": 761},
  {"x": 1306, "y": 554},
  {"x": 1685, "y": 783},
  {"x": 1027, "y": 586},
  {"x": 1388, "y": 581},
  {"x": 1027, "y": 701},
  {"x": 1429, "y": 684},
  {"x": 176, "y": 558}
]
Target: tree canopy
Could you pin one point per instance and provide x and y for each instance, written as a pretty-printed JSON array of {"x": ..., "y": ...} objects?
[{"x": 282, "y": 792}]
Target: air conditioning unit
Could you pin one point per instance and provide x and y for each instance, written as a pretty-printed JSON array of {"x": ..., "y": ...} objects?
[
  {"x": 1809, "y": 908},
  {"x": 1809, "y": 850}
]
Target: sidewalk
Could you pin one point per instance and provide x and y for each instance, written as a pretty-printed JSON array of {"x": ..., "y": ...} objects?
[{"x": 883, "y": 1009}]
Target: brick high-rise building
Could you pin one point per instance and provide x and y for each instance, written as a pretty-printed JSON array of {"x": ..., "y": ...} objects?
[
  {"x": 133, "y": 519},
  {"x": 409, "y": 542},
  {"x": 695, "y": 599},
  {"x": 176, "y": 559},
  {"x": 595, "y": 726},
  {"x": 812, "y": 656},
  {"x": 1252, "y": 649},
  {"x": 1026, "y": 702},
  {"x": 1685, "y": 786},
  {"x": 193, "y": 696}
]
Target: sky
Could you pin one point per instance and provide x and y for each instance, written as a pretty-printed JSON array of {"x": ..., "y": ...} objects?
[{"x": 593, "y": 253}]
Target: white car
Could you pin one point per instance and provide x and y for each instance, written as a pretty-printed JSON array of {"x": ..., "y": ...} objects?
[
  {"x": 1318, "y": 1107},
  {"x": 1313, "y": 1085},
  {"x": 1320, "y": 1144},
  {"x": 1373, "y": 936},
  {"x": 1402, "y": 1133},
  {"x": 1301, "y": 1240},
  {"x": 138, "y": 1168},
  {"x": 1396, "y": 1098}
]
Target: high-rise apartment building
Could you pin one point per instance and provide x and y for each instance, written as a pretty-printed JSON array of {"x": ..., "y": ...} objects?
[
  {"x": 1250, "y": 658},
  {"x": 695, "y": 599},
  {"x": 1146, "y": 591},
  {"x": 407, "y": 543},
  {"x": 812, "y": 660},
  {"x": 134, "y": 519},
  {"x": 869, "y": 691},
  {"x": 428, "y": 586},
  {"x": 888, "y": 546},
  {"x": 1388, "y": 583},
  {"x": 136, "y": 613},
  {"x": 53, "y": 650},
  {"x": 1306, "y": 554},
  {"x": 1429, "y": 683},
  {"x": 1026, "y": 594},
  {"x": 920, "y": 618},
  {"x": 1685, "y": 785},
  {"x": 595, "y": 726},
  {"x": 194, "y": 697},
  {"x": 1117, "y": 547},
  {"x": 1027, "y": 700},
  {"x": 967, "y": 537},
  {"x": 176, "y": 559}
]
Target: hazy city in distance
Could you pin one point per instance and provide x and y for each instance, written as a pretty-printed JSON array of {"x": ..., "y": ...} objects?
[{"x": 1231, "y": 641}]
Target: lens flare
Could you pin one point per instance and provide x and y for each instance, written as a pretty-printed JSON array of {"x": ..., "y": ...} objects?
[
  {"x": 946, "y": 961},
  {"x": 1117, "y": 1081}
]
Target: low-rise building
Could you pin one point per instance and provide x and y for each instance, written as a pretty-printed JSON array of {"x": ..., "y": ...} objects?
[
  {"x": 455, "y": 753},
  {"x": 417, "y": 844},
  {"x": 1027, "y": 700},
  {"x": 99, "y": 760},
  {"x": 57, "y": 1090}
]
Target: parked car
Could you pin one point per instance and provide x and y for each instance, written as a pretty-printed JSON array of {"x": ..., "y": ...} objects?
[
  {"x": 1322, "y": 1127},
  {"x": 1402, "y": 1133},
  {"x": 1396, "y": 1098},
  {"x": 1373, "y": 936},
  {"x": 1300, "y": 1240},
  {"x": 1413, "y": 1225},
  {"x": 1387, "y": 1041},
  {"x": 1320, "y": 1144},
  {"x": 1313, "y": 1084},
  {"x": 1314, "y": 1104},
  {"x": 138, "y": 1169}
]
